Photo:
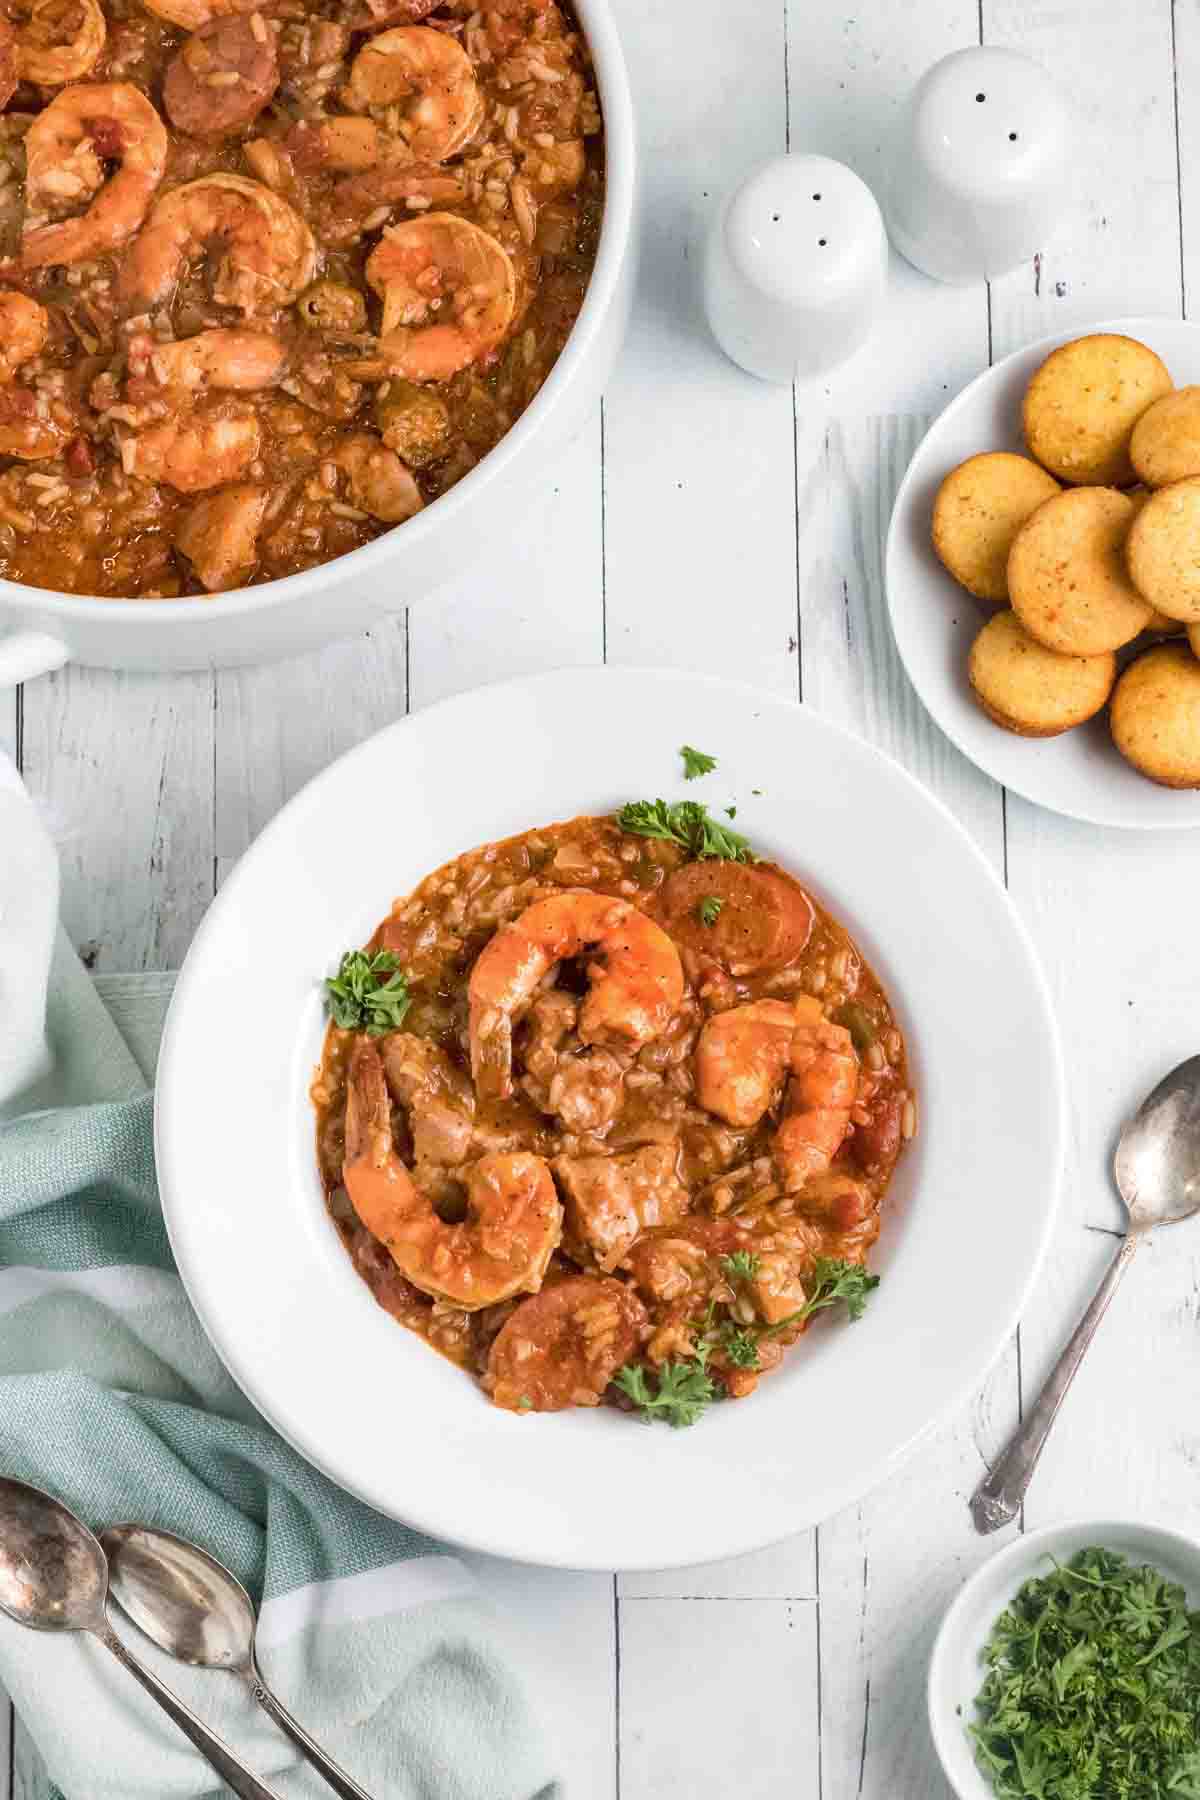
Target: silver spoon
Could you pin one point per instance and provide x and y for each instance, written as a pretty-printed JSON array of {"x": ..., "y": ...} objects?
[
  {"x": 1157, "y": 1168},
  {"x": 190, "y": 1605},
  {"x": 53, "y": 1577}
]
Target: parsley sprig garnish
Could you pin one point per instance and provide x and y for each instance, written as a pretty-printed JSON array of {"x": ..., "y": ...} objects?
[
  {"x": 1092, "y": 1678},
  {"x": 709, "y": 909},
  {"x": 680, "y": 1393},
  {"x": 688, "y": 824},
  {"x": 368, "y": 993},
  {"x": 684, "y": 1388},
  {"x": 696, "y": 762},
  {"x": 833, "y": 1279}
]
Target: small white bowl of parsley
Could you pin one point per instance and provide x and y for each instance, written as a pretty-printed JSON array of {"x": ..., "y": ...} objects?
[{"x": 1068, "y": 1668}]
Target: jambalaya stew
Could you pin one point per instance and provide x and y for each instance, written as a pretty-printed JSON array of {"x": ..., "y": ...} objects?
[
  {"x": 274, "y": 274},
  {"x": 607, "y": 1111}
]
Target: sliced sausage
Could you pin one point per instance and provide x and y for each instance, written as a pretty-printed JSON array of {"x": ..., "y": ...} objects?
[
  {"x": 224, "y": 75},
  {"x": 764, "y": 922},
  {"x": 563, "y": 1346}
]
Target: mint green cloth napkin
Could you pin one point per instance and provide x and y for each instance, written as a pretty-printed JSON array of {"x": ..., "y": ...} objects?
[{"x": 112, "y": 1397}]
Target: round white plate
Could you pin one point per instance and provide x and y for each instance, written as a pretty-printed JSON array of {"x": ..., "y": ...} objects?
[
  {"x": 935, "y": 620},
  {"x": 372, "y": 1405}
]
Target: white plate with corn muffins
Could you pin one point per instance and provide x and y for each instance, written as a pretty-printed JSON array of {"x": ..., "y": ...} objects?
[{"x": 1043, "y": 728}]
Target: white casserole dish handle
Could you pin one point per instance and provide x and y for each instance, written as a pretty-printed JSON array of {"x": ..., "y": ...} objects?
[{"x": 25, "y": 654}]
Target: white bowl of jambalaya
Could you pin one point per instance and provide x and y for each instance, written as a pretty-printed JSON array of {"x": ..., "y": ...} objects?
[
  {"x": 598, "y": 1165},
  {"x": 293, "y": 297}
]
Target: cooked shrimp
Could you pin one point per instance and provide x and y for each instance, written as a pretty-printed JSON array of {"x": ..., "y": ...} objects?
[
  {"x": 563, "y": 1347},
  {"x": 219, "y": 535},
  {"x": 265, "y": 252},
  {"x": 196, "y": 450},
  {"x": 27, "y": 430},
  {"x": 377, "y": 481},
  {"x": 418, "y": 84},
  {"x": 742, "y": 1059},
  {"x": 66, "y": 148},
  {"x": 244, "y": 361},
  {"x": 193, "y": 15},
  {"x": 428, "y": 268},
  {"x": 61, "y": 41},
  {"x": 636, "y": 981},
  {"x": 224, "y": 75},
  {"x": 513, "y": 1222},
  {"x": 822, "y": 1088}
]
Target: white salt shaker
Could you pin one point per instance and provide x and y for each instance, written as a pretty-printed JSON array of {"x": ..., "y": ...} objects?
[
  {"x": 795, "y": 268},
  {"x": 979, "y": 172}
]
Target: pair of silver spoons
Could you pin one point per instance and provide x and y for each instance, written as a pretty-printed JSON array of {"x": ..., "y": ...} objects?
[{"x": 55, "y": 1575}]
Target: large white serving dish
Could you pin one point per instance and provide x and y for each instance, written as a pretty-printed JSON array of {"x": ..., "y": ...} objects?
[
  {"x": 968, "y": 1215},
  {"x": 282, "y": 618}
]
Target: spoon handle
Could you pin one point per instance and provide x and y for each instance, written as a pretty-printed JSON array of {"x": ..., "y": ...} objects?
[
  {"x": 1000, "y": 1495},
  {"x": 339, "y": 1781},
  {"x": 234, "y": 1773}
]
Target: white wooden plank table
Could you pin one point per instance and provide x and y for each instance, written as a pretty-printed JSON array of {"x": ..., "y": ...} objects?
[{"x": 706, "y": 521}]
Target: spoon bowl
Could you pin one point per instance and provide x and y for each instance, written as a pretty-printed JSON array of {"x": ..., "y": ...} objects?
[
  {"x": 53, "y": 1576},
  {"x": 1157, "y": 1164},
  {"x": 192, "y": 1607},
  {"x": 184, "y": 1600}
]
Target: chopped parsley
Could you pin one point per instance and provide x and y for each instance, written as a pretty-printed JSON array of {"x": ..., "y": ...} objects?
[
  {"x": 709, "y": 909},
  {"x": 1092, "y": 1683},
  {"x": 741, "y": 1266},
  {"x": 681, "y": 1392},
  {"x": 731, "y": 812},
  {"x": 688, "y": 824},
  {"x": 368, "y": 993},
  {"x": 695, "y": 762},
  {"x": 524, "y": 1404},
  {"x": 833, "y": 1280}
]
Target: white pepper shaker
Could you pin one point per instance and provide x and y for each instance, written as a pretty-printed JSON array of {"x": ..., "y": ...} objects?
[
  {"x": 795, "y": 268},
  {"x": 979, "y": 175}
]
